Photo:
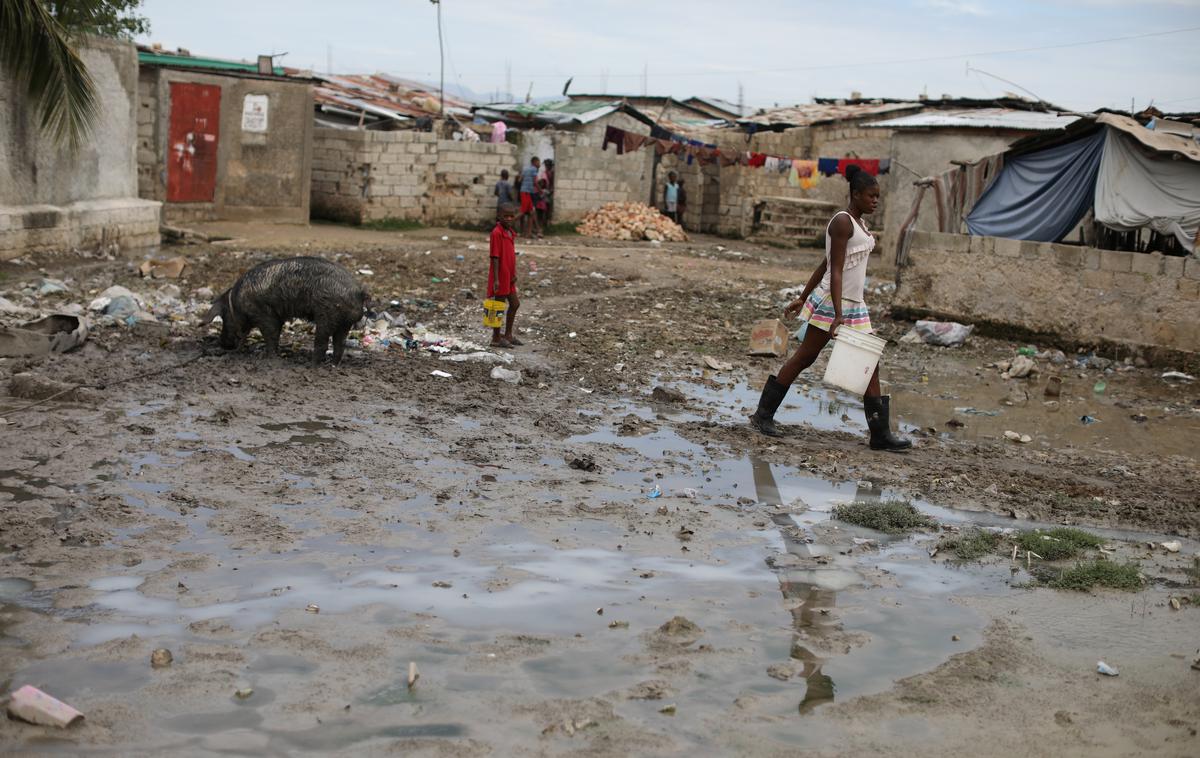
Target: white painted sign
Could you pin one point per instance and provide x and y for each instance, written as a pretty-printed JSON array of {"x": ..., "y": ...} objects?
[{"x": 254, "y": 113}]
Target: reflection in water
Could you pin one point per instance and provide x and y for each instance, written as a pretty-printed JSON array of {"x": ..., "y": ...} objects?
[{"x": 810, "y": 603}]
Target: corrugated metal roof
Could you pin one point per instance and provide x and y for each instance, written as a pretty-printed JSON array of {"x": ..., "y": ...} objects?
[
  {"x": 979, "y": 118},
  {"x": 716, "y": 105},
  {"x": 383, "y": 95},
  {"x": 1163, "y": 142},
  {"x": 820, "y": 113},
  {"x": 558, "y": 112}
]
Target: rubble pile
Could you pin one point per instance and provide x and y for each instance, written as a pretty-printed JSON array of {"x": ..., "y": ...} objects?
[{"x": 630, "y": 221}]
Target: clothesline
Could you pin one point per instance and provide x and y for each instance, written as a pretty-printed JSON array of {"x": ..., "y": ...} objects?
[{"x": 800, "y": 172}]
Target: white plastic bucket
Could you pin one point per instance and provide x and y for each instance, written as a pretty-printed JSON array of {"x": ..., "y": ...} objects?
[{"x": 853, "y": 360}]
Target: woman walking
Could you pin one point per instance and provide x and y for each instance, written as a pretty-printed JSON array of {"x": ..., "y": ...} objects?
[{"x": 832, "y": 300}]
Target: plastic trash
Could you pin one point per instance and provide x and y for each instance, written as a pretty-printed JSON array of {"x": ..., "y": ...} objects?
[
  {"x": 32, "y": 705},
  {"x": 656, "y": 492},
  {"x": 1177, "y": 376},
  {"x": 1099, "y": 387},
  {"x": 943, "y": 333},
  {"x": 1088, "y": 420},
  {"x": 1104, "y": 668},
  {"x": 1027, "y": 351},
  {"x": 442, "y": 374},
  {"x": 506, "y": 375},
  {"x": 1173, "y": 546}
]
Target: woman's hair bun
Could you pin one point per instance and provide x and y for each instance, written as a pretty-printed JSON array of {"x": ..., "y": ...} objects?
[{"x": 851, "y": 170}]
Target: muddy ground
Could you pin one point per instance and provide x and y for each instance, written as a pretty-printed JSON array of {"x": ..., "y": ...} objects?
[{"x": 306, "y": 533}]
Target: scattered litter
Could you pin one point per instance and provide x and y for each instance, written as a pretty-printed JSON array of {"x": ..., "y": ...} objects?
[
  {"x": 1016, "y": 396},
  {"x": 630, "y": 221},
  {"x": 442, "y": 585},
  {"x": 506, "y": 375},
  {"x": 1021, "y": 367},
  {"x": 717, "y": 365},
  {"x": 1173, "y": 546},
  {"x": 442, "y": 374},
  {"x": 1174, "y": 603},
  {"x": 1177, "y": 376},
  {"x": 597, "y": 275},
  {"x": 413, "y": 674},
  {"x": 171, "y": 268},
  {"x": 161, "y": 658},
  {"x": 668, "y": 710},
  {"x": 313, "y": 608},
  {"x": 366, "y": 272},
  {"x": 1054, "y": 386},
  {"x": 618, "y": 625},
  {"x": 1024, "y": 439},
  {"x": 1088, "y": 420},
  {"x": 684, "y": 534},
  {"x": 769, "y": 337},
  {"x": 50, "y": 287},
  {"x": 688, "y": 493},
  {"x": 970, "y": 411},
  {"x": 59, "y": 333},
  {"x": 1028, "y": 350},
  {"x": 477, "y": 357},
  {"x": 32, "y": 705},
  {"x": 1099, "y": 387},
  {"x": 942, "y": 333},
  {"x": 1104, "y": 668},
  {"x": 445, "y": 238},
  {"x": 572, "y": 335},
  {"x": 656, "y": 492},
  {"x": 243, "y": 693},
  {"x": 1139, "y": 418}
]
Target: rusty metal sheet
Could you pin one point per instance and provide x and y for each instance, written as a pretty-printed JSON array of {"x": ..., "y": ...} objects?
[{"x": 192, "y": 140}]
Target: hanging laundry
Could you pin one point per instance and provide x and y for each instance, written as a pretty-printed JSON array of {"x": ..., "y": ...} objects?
[
  {"x": 827, "y": 166},
  {"x": 785, "y": 165},
  {"x": 808, "y": 182},
  {"x": 870, "y": 165},
  {"x": 633, "y": 142},
  {"x": 615, "y": 136},
  {"x": 756, "y": 160},
  {"x": 805, "y": 169},
  {"x": 771, "y": 164},
  {"x": 793, "y": 177},
  {"x": 885, "y": 165}
]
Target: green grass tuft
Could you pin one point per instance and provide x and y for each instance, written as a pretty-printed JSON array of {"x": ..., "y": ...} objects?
[
  {"x": 561, "y": 229},
  {"x": 391, "y": 224},
  {"x": 1058, "y": 544},
  {"x": 972, "y": 544},
  {"x": 1089, "y": 574},
  {"x": 891, "y": 516}
]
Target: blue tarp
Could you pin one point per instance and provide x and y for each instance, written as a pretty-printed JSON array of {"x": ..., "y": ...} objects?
[{"x": 1041, "y": 196}]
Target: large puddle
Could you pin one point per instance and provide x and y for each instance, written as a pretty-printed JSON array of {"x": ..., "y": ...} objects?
[{"x": 814, "y": 610}]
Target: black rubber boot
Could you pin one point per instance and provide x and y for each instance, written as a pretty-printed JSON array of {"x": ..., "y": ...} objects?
[
  {"x": 763, "y": 419},
  {"x": 878, "y": 411}
]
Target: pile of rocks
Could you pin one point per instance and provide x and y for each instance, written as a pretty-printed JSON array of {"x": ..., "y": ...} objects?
[{"x": 630, "y": 221}]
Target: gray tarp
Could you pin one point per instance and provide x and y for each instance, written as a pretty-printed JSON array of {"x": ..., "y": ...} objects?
[
  {"x": 1135, "y": 190},
  {"x": 1041, "y": 196}
]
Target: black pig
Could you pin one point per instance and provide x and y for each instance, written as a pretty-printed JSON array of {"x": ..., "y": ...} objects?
[{"x": 272, "y": 293}]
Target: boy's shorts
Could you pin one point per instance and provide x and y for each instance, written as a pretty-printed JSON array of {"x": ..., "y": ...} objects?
[{"x": 526, "y": 202}]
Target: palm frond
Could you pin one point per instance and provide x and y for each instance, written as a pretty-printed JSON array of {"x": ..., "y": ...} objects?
[{"x": 37, "y": 53}]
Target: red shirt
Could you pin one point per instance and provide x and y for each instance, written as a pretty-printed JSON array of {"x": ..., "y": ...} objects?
[{"x": 503, "y": 248}]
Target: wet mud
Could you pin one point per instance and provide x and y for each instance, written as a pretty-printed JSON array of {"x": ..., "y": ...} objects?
[{"x": 305, "y": 534}]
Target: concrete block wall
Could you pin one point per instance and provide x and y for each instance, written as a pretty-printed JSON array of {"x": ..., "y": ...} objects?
[
  {"x": 1081, "y": 294},
  {"x": 120, "y": 226},
  {"x": 360, "y": 176},
  {"x": 586, "y": 177}
]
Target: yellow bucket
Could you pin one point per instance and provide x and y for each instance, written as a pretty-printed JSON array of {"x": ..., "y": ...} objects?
[{"x": 493, "y": 313}]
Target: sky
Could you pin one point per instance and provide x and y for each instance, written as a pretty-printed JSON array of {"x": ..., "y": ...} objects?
[{"x": 774, "y": 52}]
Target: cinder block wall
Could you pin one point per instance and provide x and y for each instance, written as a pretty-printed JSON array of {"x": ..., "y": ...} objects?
[
  {"x": 586, "y": 177},
  {"x": 1081, "y": 294},
  {"x": 362, "y": 176}
]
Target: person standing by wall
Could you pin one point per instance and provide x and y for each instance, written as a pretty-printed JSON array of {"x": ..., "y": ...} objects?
[
  {"x": 528, "y": 219},
  {"x": 504, "y": 192},
  {"x": 671, "y": 197},
  {"x": 681, "y": 205},
  {"x": 832, "y": 300},
  {"x": 549, "y": 177}
]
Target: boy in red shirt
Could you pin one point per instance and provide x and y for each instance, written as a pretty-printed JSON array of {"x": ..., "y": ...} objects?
[{"x": 502, "y": 274}]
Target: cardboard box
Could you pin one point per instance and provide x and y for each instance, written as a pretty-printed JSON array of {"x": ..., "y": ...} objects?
[{"x": 769, "y": 337}]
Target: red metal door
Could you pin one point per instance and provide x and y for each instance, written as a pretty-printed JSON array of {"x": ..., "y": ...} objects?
[{"x": 192, "y": 142}]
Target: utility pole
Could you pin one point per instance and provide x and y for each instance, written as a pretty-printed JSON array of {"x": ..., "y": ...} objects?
[
  {"x": 508, "y": 90},
  {"x": 441, "y": 63},
  {"x": 645, "y": 79},
  {"x": 741, "y": 103}
]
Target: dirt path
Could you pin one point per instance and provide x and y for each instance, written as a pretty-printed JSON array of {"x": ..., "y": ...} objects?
[{"x": 557, "y": 609}]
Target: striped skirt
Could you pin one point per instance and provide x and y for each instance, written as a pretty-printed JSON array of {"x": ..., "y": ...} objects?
[{"x": 818, "y": 312}]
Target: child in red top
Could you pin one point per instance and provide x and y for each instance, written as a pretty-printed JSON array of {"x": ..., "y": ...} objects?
[{"x": 502, "y": 274}]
